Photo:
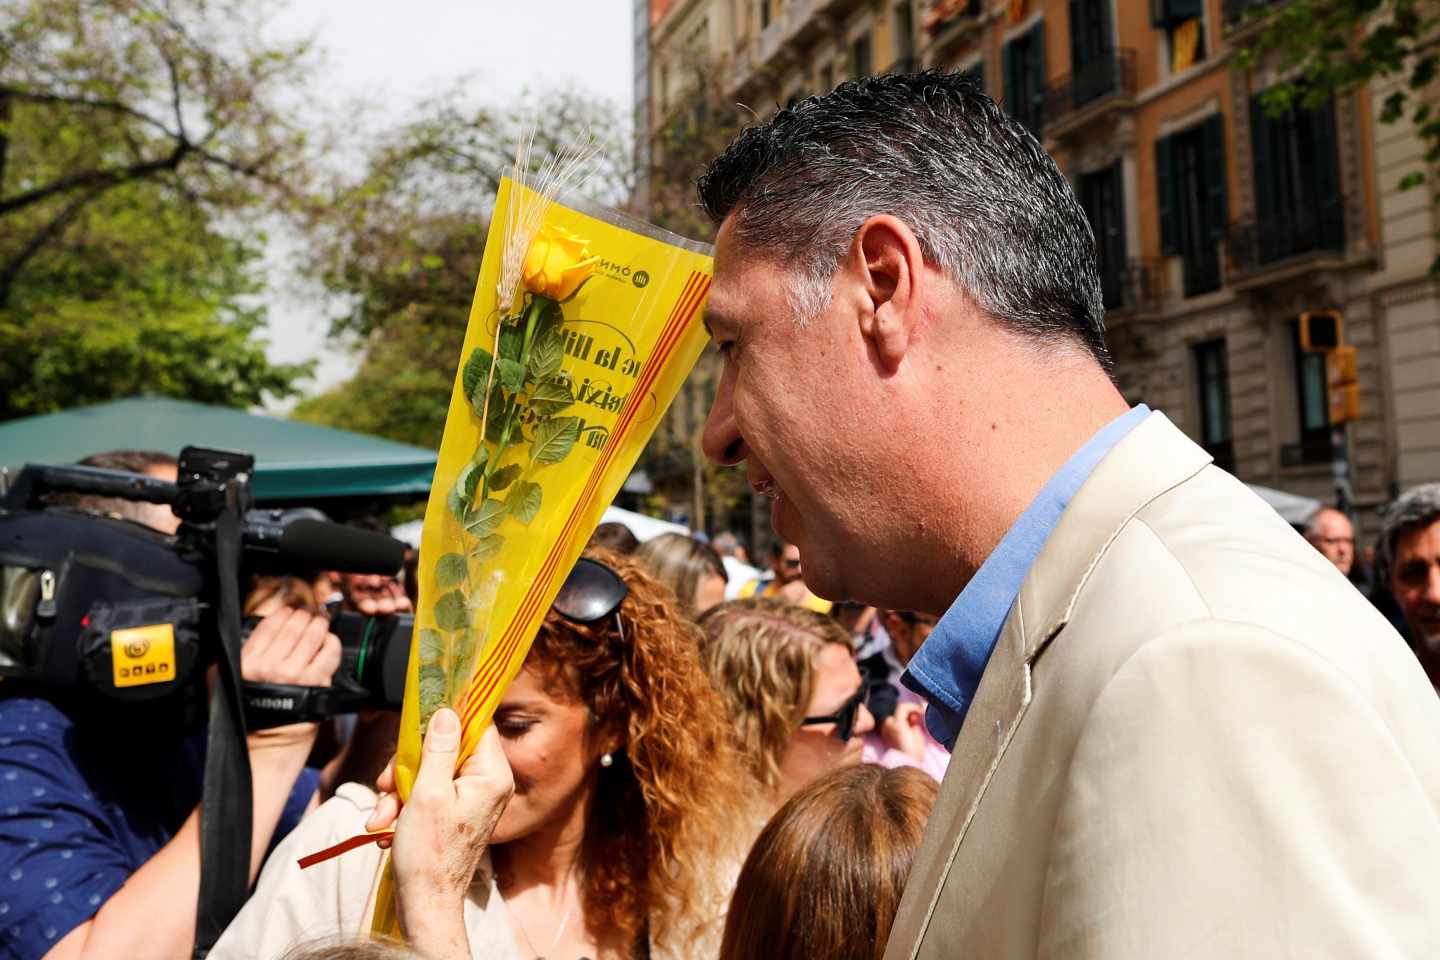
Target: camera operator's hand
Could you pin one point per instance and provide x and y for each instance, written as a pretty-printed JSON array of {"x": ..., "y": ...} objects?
[
  {"x": 293, "y": 647},
  {"x": 443, "y": 832},
  {"x": 374, "y": 595}
]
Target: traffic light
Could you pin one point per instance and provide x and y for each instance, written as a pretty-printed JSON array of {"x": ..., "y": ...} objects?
[{"x": 1321, "y": 330}]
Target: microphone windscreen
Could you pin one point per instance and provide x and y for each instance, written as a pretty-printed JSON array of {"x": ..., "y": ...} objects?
[{"x": 319, "y": 545}]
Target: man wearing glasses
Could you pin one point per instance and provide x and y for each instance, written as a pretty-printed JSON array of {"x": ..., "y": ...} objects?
[
  {"x": 1175, "y": 732},
  {"x": 785, "y": 583}
]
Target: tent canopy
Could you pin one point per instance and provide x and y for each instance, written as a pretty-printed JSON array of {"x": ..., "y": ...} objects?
[{"x": 293, "y": 460}]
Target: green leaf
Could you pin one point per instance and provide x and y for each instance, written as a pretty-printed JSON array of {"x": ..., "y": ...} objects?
[
  {"x": 1411, "y": 180},
  {"x": 450, "y": 611},
  {"x": 432, "y": 646},
  {"x": 512, "y": 342},
  {"x": 551, "y": 316},
  {"x": 512, "y": 375},
  {"x": 485, "y": 519},
  {"x": 524, "y": 502},
  {"x": 554, "y": 439},
  {"x": 486, "y": 548},
  {"x": 432, "y": 689},
  {"x": 450, "y": 570},
  {"x": 546, "y": 354},
  {"x": 550, "y": 397},
  {"x": 455, "y": 503},
  {"x": 474, "y": 470},
  {"x": 464, "y": 648},
  {"x": 476, "y": 372},
  {"x": 499, "y": 412},
  {"x": 505, "y": 476}
]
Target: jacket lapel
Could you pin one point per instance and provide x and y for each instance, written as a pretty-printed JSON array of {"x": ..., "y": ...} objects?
[{"x": 1152, "y": 458}]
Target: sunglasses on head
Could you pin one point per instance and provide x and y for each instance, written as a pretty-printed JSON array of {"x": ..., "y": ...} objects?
[
  {"x": 591, "y": 593},
  {"x": 844, "y": 718}
]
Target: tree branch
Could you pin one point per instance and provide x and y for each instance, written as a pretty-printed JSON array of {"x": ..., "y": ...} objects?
[
  {"x": 112, "y": 106},
  {"x": 44, "y": 235},
  {"x": 100, "y": 179}
]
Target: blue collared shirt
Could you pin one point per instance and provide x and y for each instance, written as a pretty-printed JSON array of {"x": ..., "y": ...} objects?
[{"x": 946, "y": 669}]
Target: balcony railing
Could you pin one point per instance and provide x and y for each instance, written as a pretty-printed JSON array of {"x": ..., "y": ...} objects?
[
  {"x": 1111, "y": 74},
  {"x": 1258, "y": 244},
  {"x": 1136, "y": 285}
]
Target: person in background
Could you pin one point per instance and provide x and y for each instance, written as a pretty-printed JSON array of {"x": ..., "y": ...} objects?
[
  {"x": 784, "y": 581},
  {"x": 151, "y": 463},
  {"x": 900, "y": 737},
  {"x": 620, "y": 838},
  {"x": 614, "y": 536},
  {"x": 825, "y": 876},
  {"x": 691, "y": 569},
  {"x": 738, "y": 571},
  {"x": 795, "y": 697},
  {"x": 1331, "y": 532},
  {"x": 1409, "y": 557}
]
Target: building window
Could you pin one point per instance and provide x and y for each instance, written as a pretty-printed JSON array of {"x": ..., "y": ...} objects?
[
  {"x": 976, "y": 73},
  {"x": 1103, "y": 201},
  {"x": 827, "y": 78},
  {"x": 1183, "y": 22},
  {"x": 1089, "y": 33},
  {"x": 1312, "y": 399},
  {"x": 764, "y": 14},
  {"x": 862, "y": 58},
  {"x": 1298, "y": 207},
  {"x": 1190, "y": 184},
  {"x": 904, "y": 38},
  {"x": 1024, "y": 59},
  {"x": 1212, "y": 377}
]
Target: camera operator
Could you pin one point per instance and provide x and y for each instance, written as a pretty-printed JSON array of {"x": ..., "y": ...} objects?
[{"x": 100, "y": 854}]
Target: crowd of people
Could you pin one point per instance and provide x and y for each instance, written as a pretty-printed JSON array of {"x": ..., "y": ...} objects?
[{"x": 1081, "y": 695}]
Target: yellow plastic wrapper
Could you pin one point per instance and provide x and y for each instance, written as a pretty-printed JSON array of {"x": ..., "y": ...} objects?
[{"x": 556, "y": 394}]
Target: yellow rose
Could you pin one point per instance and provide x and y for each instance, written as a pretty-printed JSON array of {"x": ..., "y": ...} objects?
[{"x": 557, "y": 263}]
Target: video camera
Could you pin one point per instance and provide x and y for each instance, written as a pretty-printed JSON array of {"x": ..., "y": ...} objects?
[{"x": 111, "y": 617}]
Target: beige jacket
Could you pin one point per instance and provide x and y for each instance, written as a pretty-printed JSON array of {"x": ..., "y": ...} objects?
[{"x": 1194, "y": 739}]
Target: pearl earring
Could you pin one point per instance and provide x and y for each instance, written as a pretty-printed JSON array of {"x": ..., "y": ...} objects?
[{"x": 606, "y": 760}]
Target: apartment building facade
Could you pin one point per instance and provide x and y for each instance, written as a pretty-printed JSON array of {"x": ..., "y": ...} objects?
[{"x": 1216, "y": 223}]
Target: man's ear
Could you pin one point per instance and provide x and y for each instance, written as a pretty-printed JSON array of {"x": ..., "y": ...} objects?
[{"x": 887, "y": 257}]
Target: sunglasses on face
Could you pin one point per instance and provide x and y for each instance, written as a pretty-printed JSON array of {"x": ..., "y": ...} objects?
[
  {"x": 591, "y": 593},
  {"x": 844, "y": 718}
]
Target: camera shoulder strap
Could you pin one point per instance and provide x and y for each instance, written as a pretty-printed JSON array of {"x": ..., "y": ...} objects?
[{"x": 226, "y": 805}]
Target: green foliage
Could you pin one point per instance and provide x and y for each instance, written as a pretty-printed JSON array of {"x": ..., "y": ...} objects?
[
  {"x": 1332, "y": 47},
  {"x": 115, "y": 276}
]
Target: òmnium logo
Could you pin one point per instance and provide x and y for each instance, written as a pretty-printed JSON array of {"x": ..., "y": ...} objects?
[{"x": 640, "y": 278}]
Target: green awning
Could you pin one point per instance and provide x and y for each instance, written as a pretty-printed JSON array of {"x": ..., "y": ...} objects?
[{"x": 293, "y": 460}]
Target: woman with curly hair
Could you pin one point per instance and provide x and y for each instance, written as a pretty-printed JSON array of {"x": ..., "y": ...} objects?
[
  {"x": 619, "y": 840},
  {"x": 789, "y": 682}
]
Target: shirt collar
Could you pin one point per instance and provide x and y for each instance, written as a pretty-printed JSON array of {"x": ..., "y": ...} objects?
[{"x": 946, "y": 670}]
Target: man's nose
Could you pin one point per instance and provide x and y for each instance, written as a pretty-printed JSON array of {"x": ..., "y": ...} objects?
[
  {"x": 721, "y": 440},
  {"x": 1432, "y": 586}
]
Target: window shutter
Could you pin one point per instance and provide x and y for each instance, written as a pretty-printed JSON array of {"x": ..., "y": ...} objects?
[
  {"x": 1116, "y": 215},
  {"x": 1165, "y": 13},
  {"x": 976, "y": 73},
  {"x": 1037, "y": 78},
  {"x": 1165, "y": 194},
  {"x": 1008, "y": 61},
  {"x": 1329, "y": 207},
  {"x": 1261, "y": 143},
  {"x": 1217, "y": 210},
  {"x": 1077, "y": 36}
]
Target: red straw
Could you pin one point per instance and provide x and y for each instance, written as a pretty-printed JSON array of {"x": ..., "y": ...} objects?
[{"x": 344, "y": 846}]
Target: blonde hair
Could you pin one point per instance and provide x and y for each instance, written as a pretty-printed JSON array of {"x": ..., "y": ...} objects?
[
  {"x": 761, "y": 655},
  {"x": 683, "y": 564},
  {"x": 825, "y": 877}
]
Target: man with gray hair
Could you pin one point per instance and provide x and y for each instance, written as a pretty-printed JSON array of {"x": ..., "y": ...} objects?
[
  {"x": 1410, "y": 561},
  {"x": 1174, "y": 731},
  {"x": 1332, "y": 533}
]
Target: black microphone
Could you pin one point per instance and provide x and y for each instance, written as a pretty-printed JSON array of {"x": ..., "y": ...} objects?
[{"x": 308, "y": 544}]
